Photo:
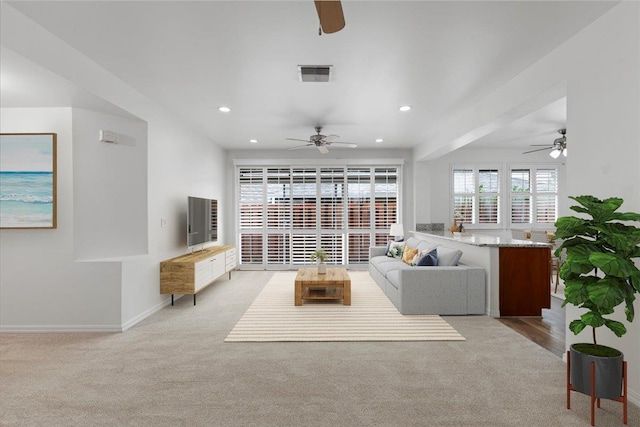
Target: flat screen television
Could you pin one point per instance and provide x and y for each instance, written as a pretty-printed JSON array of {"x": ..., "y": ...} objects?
[{"x": 202, "y": 221}]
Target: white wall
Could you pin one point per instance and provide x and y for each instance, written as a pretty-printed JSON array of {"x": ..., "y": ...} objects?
[
  {"x": 600, "y": 68},
  {"x": 42, "y": 287},
  {"x": 110, "y": 187},
  {"x": 178, "y": 162},
  {"x": 181, "y": 163},
  {"x": 603, "y": 105}
]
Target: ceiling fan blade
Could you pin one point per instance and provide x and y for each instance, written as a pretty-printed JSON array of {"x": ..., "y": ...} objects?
[
  {"x": 539, "y": 149},
  {"x": 343, "y": 144},
  {"x": 323, "y": 149},
  {"x": 330, "y": 15},
  {"x": 296, "y": 139},
  {"x": 300, "y": 146},
  {"x": 331, "y": 138}
]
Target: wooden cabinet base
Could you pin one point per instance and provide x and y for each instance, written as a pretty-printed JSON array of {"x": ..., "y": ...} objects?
[
  {"x": 525, "y": 287},
  {"x": 188, "y": 274}
]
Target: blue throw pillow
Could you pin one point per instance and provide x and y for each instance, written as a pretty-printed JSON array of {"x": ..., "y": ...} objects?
[{"x": 429, "y": 259}]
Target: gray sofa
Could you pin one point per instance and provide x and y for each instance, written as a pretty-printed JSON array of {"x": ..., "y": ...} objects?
[{"x": 447, "y": 290}]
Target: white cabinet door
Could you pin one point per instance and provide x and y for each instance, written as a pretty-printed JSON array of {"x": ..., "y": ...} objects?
[
  {"x": 217, "y": 264},
  {"x": 203, "y": 273}
]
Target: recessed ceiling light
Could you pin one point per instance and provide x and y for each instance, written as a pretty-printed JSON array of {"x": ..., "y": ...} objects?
[
  {"x": 253, "y": 141},
  {"x": 379, "y": 140},
  {"x": 405, "y": 108},
  {"x": 224, "y": 109}
]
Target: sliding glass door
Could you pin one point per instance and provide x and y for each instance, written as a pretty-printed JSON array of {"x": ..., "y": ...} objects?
[{"x": 285, "y": 213}]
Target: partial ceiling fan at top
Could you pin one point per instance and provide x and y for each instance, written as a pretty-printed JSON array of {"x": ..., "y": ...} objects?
[
  {"x": 322, "y": 141},
  {"x": 330, "y": 15},
  {"x": 558, "y": 147}
]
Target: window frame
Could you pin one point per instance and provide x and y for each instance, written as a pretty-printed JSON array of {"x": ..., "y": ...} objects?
[
  {"x": 476, "y": 168},
  {"x": 336, "y": 230},
  {"x": 505, "y": 194},
  {"x": 535, "y": 195}
]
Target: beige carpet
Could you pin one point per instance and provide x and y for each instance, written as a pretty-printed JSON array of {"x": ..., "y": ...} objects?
[{"x": 371, "y": 317}]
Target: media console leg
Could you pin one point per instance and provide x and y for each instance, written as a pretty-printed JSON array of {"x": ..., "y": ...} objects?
[
  {"x": 194, "y": 299},
  {"x": 171, "y": 299}
]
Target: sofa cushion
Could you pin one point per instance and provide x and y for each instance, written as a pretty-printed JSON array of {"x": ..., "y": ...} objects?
[
  {"x": 426, "y": 246},
  {"x": 396, "y": 249},
  {"x": 413, "y": 242},
  {"x": 408, "y": 254},
  {"x": 394, "y": 278},
  {"x": 386, "y": 267},
  {"x": 376, "y": 261},
  {"x": 448, "y": 256},
  {"x": 427, "y": 258}
]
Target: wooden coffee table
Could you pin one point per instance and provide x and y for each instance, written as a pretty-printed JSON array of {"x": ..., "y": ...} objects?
[{"x": 334, "y": 285}]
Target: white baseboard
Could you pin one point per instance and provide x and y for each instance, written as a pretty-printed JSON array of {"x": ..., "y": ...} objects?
[
  {"x": 85, "y": 328},
  {"x": 140, "y": 317}
]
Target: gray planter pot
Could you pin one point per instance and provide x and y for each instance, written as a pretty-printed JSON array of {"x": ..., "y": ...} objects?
[{"x": 608, "y": 374}]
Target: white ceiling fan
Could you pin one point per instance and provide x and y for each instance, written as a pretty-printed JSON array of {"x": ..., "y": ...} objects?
[
  {"x": 558, "y": 147},
  {"x": 322, "y": 141}
]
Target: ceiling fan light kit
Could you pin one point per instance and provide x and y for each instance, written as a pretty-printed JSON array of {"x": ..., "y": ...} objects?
[
  {"x": 321, "y": 142},
  {"x": 558, "y": 147}
]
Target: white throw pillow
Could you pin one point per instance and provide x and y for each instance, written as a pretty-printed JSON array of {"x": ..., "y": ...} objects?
[{"x": 396, "y": 249}]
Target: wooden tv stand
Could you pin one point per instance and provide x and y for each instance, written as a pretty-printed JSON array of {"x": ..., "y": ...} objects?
[{"x": 190, "y": 273}]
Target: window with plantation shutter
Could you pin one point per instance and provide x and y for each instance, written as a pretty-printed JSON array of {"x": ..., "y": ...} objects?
[
  {"x": 334, "y": 245},
  {"x": 520, "y": 196},
  {"x": 285, "y": 213},
  {"x": 250, "y": 215},
  {"x": 488, "y": 196},
  {"x": 303, "y": 194},
  {"x": 278, "y": 198},
  {"x": 385, "y": 191},
  {"x": 476, "y": 195},
  {"x": 546, "y": 196},
  {"x": 534, "y": 196},
  {"x": 332, "y": 198},
  {"x": 464, "y": 194},
  {"x": 359, "y": 197}
]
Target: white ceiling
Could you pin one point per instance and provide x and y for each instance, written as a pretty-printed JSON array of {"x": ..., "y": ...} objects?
[{"x": 441, "y": 57}]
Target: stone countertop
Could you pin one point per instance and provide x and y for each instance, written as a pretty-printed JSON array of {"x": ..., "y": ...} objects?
[{"x": 482, "y": 240}]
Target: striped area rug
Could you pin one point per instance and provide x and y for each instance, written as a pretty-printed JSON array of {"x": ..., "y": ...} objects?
[{"x": 371, "y": 317}]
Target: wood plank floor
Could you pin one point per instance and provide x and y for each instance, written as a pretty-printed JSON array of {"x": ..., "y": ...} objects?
[{"x": 548, "y": 331}]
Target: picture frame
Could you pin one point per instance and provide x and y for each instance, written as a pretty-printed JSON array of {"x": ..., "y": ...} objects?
[{"x": 28, "y": 163}]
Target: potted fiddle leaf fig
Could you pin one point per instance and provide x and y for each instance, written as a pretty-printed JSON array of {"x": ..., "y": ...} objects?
[
  {"x": 321, "y": 256},
  {"x": 599, "y": 275}
]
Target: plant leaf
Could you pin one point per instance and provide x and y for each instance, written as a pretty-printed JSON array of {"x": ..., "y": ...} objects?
[
  {"x": 607, "y": 293},
  {"x": 616, "y": 327},
  {"x": 627, "y": 216},
  {"x": 576, "y": 291},
  {"x": 612, "y": 264},
  {"x": 629, "y": 311},
  {"x": 569, "y": 226},
  {"x": 577, "y": 326},
  {"x": 578, "y": 259},
  {"x": 593, "y": 319}
]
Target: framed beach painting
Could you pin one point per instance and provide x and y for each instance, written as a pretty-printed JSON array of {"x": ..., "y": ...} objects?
[{"x": 28, "y": 180}]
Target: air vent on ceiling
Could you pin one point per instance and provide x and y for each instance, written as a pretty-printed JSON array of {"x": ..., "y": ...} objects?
[{"x": 314, "y": 73}]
